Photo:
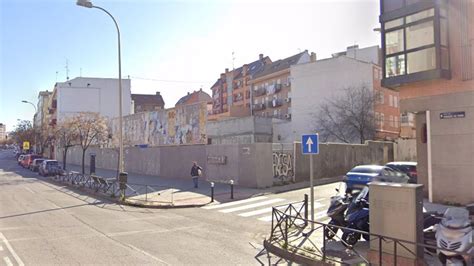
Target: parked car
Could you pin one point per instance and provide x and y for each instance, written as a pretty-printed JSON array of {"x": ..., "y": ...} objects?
[
  {"x": 20, "y": 158},
  {"x": 408, "y": 168},
  {"x": 50, "y": 167},
  {"x": 34, "y": 166},
  {"x": 359, "y": 176},
  {"x": 28, "y": 159}
]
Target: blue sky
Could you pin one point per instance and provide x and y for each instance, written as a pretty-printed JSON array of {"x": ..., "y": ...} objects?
[{"x": 187, "y": 42}]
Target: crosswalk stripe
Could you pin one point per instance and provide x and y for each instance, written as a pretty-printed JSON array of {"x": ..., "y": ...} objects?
[
  {"x": 250, "y": 206},
  {"x": 233, "y": 203},
  {"x": 317, "y": 215},
  {"x": 268, "y": 209}
]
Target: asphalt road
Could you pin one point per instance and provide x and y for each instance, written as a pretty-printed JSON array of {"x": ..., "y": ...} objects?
[{"x": 42, "y": 222}]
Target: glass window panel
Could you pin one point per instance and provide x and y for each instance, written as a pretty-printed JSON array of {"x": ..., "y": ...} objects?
[
  {"x": 421, "y": 60},
  {"x": 442, "y": 11},
  {"x": 444, "y": 58},
  {"x": 394, "y": 41},
  {"x": 395, "y": 66},
  {"x": 390, "y": 5},
  {"x": 420, "y": 15},
  {"x": 393, "y": 23},
  {"x": 420, "y": 34},
  {"x": 443, "y": 31}
]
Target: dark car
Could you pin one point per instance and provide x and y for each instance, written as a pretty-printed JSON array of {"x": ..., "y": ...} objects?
[
  {"x": 408, "y": 168},
  {"x": 359, "y": 176},
  {"x": 34, "y": 166}
]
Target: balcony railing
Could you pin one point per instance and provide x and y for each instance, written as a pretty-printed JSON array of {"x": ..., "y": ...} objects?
[
  {"x": 258, "y": 106},
  {"x": 275, "y": 103},
  {"x": 259, "y": 92}
]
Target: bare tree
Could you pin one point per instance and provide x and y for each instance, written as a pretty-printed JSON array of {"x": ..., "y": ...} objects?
[
  {"x": 90, "y": 128},
  {"x": 24, "y": 131},
  {"x": 348, "y": 117},
  {"x": 66, "y": 137}
]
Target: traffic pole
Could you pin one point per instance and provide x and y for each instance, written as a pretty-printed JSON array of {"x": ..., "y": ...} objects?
[{"x": 312, "y": 189}]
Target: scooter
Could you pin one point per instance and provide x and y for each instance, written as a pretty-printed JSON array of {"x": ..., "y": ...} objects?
[
  {"x": 336, "y": 210},
  {"x": 454, "y": 234},
  {"x": 357, "y": 217}
]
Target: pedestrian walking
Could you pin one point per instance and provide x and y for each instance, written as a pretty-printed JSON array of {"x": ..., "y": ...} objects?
[{"x": 196, "y": 172}]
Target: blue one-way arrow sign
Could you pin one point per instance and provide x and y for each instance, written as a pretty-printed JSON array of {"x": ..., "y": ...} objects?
[{"x": 310, "y": 143}]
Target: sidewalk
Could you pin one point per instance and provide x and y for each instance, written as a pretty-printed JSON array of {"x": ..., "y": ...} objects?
[{"x": 180, "y": 192}]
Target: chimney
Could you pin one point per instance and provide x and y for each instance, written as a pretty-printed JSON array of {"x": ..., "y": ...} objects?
[
  {"x": 260, "y": 56},
  {"x": 200, "y": 89},
  {"x": 158, "y": 93},
  {"x": 226, "y": 70},
  {"x": 244, "y": 70},
  {"x": 313, "y": 57},
  {"x": 222, "y": 76},
  {"x": 189, "y": 93}
]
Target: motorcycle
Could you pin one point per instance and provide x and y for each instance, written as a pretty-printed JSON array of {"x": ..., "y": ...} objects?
[
  {"x": 337, "y": 207},
  {"x": 357, "y": 217},
  {"x": 454, "y": 234}
]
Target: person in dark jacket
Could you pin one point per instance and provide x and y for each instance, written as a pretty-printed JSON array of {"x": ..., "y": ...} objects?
[{"x": 195, "y": 173}]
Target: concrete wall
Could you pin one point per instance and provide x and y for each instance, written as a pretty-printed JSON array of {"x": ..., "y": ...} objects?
[
  {"x": 405, "y": 150},
  {"x": 245, "y": 130},
  {"x": 335, "y": 159},
  {"x": 452, "y": 147},
  {"x": 99, "y": 95},
  {"x": 248, "y": 165},
  {"x": 184, "y": 124},
  {"x": 314, "y": 82}
]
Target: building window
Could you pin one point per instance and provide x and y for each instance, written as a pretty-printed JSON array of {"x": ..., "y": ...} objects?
[
  {"x": 395, "y": 101},
  {"x": 390, "y": 100},
  {"x": 390, "y": 120},
  {"x": 410, "y": 45},
  {"x": 382, "y": 119},
  {"x": 380, "y": 97}
]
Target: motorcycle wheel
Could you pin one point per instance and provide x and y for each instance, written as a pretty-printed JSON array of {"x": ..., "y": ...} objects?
[
  {"x": 330, "y": 232},
  {"x": 366, "y": 237},
  {"x": 350, "y": 239}
]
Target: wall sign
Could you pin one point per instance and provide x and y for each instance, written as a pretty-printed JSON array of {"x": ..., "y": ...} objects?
[
  {"x": 216, "y": 159},
  {"x": 449, "y": 115}
]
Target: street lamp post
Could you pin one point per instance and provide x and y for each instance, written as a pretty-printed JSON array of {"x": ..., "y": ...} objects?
[
  {"x": 34, "y": 131},
  {"x": 88, "y": 4}
]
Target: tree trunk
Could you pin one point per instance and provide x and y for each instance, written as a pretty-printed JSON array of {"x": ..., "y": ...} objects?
[
  {"x": 83, "y": 161},
  {"x": 64, "y": 158}
]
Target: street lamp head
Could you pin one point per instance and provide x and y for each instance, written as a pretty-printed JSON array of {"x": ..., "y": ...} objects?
[
  {"x": 84, "y": 3},
  {"x": 24, "y": 101}
]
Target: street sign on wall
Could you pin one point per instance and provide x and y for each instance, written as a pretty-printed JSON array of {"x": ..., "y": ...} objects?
[{"x": 310, "y": 144}]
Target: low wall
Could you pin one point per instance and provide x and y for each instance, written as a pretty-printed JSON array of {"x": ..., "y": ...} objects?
[
  {"x": 405, "y": 150},
  {"x": 249, "y": 165},
  {"x": 335, "y": 159}
]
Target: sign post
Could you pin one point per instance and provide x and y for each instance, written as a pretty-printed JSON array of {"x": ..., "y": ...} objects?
[{"x": 310, "y": 145}]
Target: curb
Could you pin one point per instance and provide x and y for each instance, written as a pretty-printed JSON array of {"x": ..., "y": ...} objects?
[
  {"x": 116, "y": 200},
  {"x": 291, "y": 256}
]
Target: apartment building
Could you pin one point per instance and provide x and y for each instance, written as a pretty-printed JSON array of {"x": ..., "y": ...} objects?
[
  {"x": 428, "y": 57},
  {"x": 147, "y": 102},
  {"x": 271, "y": 87},
  {"x": 315, "y": 82},
  {"x": 3, "y": 132},
  {"x": 231, "y": 92},
  {"x": 41, "y": 120}
]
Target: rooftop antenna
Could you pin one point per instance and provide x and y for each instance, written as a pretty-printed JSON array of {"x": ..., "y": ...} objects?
[
  {"x": 56, "y": 76},
  {"x": 67, "y": 69},
  {"x": 233, "y": 60},
  {"x": 80, "y": 72}
]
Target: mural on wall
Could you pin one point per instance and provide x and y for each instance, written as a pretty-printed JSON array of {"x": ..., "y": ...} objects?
[
  {"x": 176, "y": 126},
  {"x": 283, "y": 166}
]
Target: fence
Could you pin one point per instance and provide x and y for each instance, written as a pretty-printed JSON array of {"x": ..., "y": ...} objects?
[
  {"x": 111, "y": 187},
  {"x": 289, "y": 224}
]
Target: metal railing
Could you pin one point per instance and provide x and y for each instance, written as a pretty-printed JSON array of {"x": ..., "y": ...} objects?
[
  {"x": 290, "y": 222},
  {"x": 111, "y": 187}
]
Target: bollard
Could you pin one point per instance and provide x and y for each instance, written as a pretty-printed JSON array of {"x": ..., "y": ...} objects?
[
  {"x": 212, "y": 191},
  {"x": 306, "y": 209},
  {"x": 123, "y": 177},
  {"x": 232, "y": 189}
]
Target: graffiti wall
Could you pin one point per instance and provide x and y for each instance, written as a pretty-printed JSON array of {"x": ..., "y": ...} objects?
[
  {"x": 283, "y": 169},
  {"x": 175, "y": 126}
]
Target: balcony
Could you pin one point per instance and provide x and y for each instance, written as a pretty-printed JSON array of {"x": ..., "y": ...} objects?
[
  {"x": 258, "y": 106},
  {"x": 275, "y": 103},
  {"x": 259, "y": 92}
]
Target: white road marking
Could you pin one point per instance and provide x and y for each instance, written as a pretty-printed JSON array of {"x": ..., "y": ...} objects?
[
  {"x": 29, "y": 189},
  {"x": 233, "y": 203},
  {"x": 269, "y": 209},
  {"x": 8, "y": 261},
  {"x": 9, "y": 247},
  {"x": 258, "y": 204}
]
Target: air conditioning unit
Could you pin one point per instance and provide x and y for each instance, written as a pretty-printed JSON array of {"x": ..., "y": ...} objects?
[
  {"x": 288, "y": 116},
  {"x": 288, "y": 100}
]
